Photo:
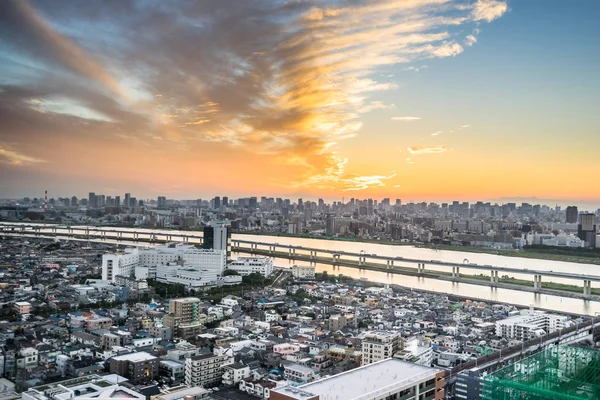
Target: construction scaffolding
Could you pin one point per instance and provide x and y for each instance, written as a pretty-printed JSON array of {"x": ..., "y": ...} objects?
[{"x": 557, "y": 373}]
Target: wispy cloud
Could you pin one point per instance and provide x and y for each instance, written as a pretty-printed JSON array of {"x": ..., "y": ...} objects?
[
  {"x": 470, "y": 40},
  {"x": 408, "y": 119},
  {"x": 282, "y": 80},
  {"x": 489, "y": 10},
  {"x": 466, "y": 126},
  {"x": 438, "y": 133},
  {"x": 13, "y": 157},
  {"x": 427, "y": 150}
]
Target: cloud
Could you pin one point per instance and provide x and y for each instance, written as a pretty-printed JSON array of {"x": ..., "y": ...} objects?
[
  {"x": 408, "y": 119},
  {"x": 436, "y": 133},
  {"x": 396, "y": 186},
  {"x": 416, "y": 69},
  {"x": 489, "y": 10},
  {"x": 466, "y": 126},
  {"x": 470, "y": 40},
  {"x": 279, "y": 80},
  {"x": 427, "y": 150},
  {"x": 13, "y": 157}
]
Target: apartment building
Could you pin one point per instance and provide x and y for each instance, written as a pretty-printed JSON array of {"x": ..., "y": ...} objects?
[
  {"x": 204, "y": 370},
  {"x": 379, "y": 345},
  {"x": 138, "y": 367},
  {"x": 530, "y": 325},
  {"x": 303, "y": 272}
]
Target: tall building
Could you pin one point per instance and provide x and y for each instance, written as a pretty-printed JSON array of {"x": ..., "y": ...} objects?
[
  {"x": 117, "y": 201},
  {"x": 217, "y": 238},
  {"x": 388, "y": 379},
  {"x": 558, "y": 372},
  {"x": 74, "y": 201},
  {"x": 126, "y": 201},
  {"x": 185, "y": 317},
  {"x": 572, "y": 214},
  {"x": 225, "y": 201},
  {"x": 92, "y": 199},
  {"x": 586, "y": 230},
  {"x": 161, "y": 202},
  {"x": 379, "y": 345},
  {"x": 217, "y": 203},
  {"x": 204, "y": 370}
]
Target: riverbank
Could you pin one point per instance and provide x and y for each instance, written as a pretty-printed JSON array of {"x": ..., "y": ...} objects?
[
  {"x": 532, "y": 254},
  {"x": 507, "y": 282}
]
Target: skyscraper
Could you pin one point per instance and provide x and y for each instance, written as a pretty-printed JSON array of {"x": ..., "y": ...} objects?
[
  {"x": 225, "y": 201},
  {"x": 117, "y": 201},
  {"x": 572, "y": 215},
  {"x": 161, "y": 202},
  {"x": 92, "y": 199},
  {"x": 126, "y": 202},
  {"x": 217, "y": 238},
  {"x": 217, "y": 202}
]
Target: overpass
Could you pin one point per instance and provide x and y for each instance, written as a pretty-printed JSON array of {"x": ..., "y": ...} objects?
[{"x": 310, "y": 254}]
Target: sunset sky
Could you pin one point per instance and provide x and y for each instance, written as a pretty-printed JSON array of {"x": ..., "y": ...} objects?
[{"x": 411, "y": 99}]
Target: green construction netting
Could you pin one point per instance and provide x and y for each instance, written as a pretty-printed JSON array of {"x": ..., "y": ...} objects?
[{"x": 557, "y": 373}]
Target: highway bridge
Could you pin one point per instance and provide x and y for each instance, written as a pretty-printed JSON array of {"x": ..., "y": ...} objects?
[{"x": 336, "y": 257}]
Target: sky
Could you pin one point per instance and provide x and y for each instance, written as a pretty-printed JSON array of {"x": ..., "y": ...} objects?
[{"x": 411, "y": 99}]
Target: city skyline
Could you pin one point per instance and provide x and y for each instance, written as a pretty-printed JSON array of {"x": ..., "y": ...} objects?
[{"x": 428, "y": 100}]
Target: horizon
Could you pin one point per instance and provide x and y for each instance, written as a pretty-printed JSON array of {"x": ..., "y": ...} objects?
[{"x": 420, "y": 99}]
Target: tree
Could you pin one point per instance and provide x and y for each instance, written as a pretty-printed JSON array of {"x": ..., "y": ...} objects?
[{"x": 230, "y": 272}]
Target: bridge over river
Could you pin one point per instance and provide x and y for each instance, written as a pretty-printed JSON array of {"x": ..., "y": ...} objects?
[{"x": 311, "y": 254}]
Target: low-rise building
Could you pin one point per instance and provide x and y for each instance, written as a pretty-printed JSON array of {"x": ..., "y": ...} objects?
[
  {"x": 204, "y": 370},
  {"x": 138, "y": 367},
  {"x": 303, "y": 272},
  {"x": 248, "y": 265}
]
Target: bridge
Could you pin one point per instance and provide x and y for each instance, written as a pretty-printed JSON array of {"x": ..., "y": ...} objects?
[{"x": 310, "y": 254}]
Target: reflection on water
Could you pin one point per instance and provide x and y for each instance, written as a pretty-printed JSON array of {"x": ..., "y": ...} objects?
[
  {"x": 487, "y": 293},
  {"x": 462, "y": 289}
]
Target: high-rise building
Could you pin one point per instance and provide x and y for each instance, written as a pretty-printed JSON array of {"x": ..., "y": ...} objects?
[
  {"x": 586, "y": 230},
  {"x": 161, "y": 202},
  {"x": 126, "y": 201},
  {"x": 92, "y": 199},
  {"x": 74, "y": 201},
  {"x": 117, "y": 201},
  {"x": 225, "y": 201},
  {"x": 379, "y": 345},
  {"x": 217, "y": 203},
  {"x": 572, "y": 214},
  {"x": 217, "y": 238},
  {"x": 185, "y": 317}
]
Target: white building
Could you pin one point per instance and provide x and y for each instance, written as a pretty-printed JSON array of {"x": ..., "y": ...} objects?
[
  {"x": 191, "y": 278},
  {"x": 82, "y": 388},
  {"x": 122, "y": 263},
  {"x": 379, "y": 345},
  {"x": 388, "y": 379},
  {"x": 143, "y": 262},
  {"x": 529, "y": 325},
  {"x": 204, "y": 370},
  {"x": 248, "y": 265},
  {"x": 303, "y": 272},
  {"x": 234, "y": 373},
  {"x": 299, "y": 373}
]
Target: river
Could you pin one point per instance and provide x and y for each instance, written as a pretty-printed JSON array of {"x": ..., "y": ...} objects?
[{"x": 526, "y": 299}]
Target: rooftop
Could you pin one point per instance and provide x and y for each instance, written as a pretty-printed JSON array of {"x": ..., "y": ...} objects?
[
  {"x": 135, "y": 357},
  {"x": 366, "y": 382}
]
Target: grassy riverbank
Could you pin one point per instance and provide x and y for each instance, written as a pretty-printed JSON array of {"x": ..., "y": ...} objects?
[{"x": 582, "y": 256}]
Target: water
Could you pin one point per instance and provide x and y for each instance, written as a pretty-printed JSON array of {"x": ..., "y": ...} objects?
[{"x": 526, "y": 299}]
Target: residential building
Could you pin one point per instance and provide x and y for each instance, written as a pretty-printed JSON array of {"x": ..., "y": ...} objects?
[
  {"x": 387, "y": 379},
  {"x": 234, "y": 373},
  {"x": 22, "y": 307},
  {"x": 379, "y": 345},
  {"x": 138, "y": 367},
  {"x": 249, "y": 265},
  {"x": 298, "y": 373},
  {"x": 204, "y": 370},
  {"x": 530, "y": 325},
  {"x": 303, "y": 272}
]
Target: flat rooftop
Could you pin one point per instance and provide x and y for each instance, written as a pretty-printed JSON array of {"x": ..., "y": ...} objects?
[
  {"x": 135, "y": 357},
  {"x": 370, "y": 381}
]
